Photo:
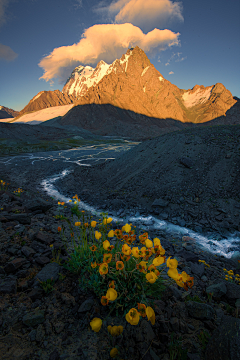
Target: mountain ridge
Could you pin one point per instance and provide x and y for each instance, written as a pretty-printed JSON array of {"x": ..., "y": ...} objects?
[
  {"x": 135, "y": 86},
  {"x": 6, "y": 113},
  {"x": 45, "y": 99},
  {"x": 133, "y": 83}
]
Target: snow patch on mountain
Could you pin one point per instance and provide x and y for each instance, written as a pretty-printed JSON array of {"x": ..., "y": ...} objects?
[
  {"x": 125, "y": 60},
  {"x": 200, "y": 96},
  {"x": 144, "y": 71},
  {"x": 43, "y": 115},
  {"x": 37, "y": 96}
]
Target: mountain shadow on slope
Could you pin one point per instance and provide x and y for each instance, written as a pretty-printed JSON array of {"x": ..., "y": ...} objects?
[{"x": 109, "y": 120}]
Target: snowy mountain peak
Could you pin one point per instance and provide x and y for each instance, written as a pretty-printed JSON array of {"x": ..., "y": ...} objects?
[{"x": 84, "y": 77}]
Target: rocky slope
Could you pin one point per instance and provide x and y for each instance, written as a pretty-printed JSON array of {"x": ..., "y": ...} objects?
[
  {"x": 35, "y": 324},
  {"x": 7, "y": 113},
  {"x": 108, "y": 120},
  {"x": 46, "y": 99},
  {"x": 198, "y": 164}
]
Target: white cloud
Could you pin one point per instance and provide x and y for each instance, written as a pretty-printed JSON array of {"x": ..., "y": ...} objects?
[
  {"x": 171, "y": 72},
  {"x": 104, "y": 42},
  {"x": 6, "y": 53},
  {"x": 167, "y": 64},
  {"x": 146, "y": 14}
]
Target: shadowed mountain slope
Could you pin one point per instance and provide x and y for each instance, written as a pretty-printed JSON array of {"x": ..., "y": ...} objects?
[{"x": 111, "y": 120}]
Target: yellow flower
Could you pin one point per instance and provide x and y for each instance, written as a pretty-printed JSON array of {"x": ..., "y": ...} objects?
[
  {"x": 151, "y": 277},
  {"x": 107, "y": 221},
  {"x": 78, "y": 223},
  {"x": 135, "y": 252},
  {"x": 97, "y": 235},
  {"x": 103, "y": 268},
  {"x": 126, "y": 249},
  {"x": 148, "y": 243},
  {"x": 111, "y": 294},
  {"x": 158, "y": 261},
  {"x": 133, "y": 316},
  {"x": 173, "y": 273},
  {"x": 115, "y": 330},
  {"x": 106, "y": 244},
  {"x": 114, "y": 352},
  {"x": 156, "y": 242},
  {"x": 93, "y": 265},
  {"x": 127, "y": 228},
  {"x": 150, "y": 314},
  {"x": 107, "y": 258},
  {"x": 96, "y": 324},
  {"x": 111, "y": 233},
  {"x": 172, "y": 263},
  {"x": 93, "y": 224},
  {"x": 142, "y": 266}
]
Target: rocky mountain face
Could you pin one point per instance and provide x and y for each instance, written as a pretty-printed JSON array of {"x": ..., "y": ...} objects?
[
  {"x": 130, "y": 98},
  {"x": 46, "y": 99},
  {"x": 133, "y": 83},
  {"x": 7, "y": 113}
]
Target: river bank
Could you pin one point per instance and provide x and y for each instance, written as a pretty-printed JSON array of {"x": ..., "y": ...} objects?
[{"x": 197, "y": 190}]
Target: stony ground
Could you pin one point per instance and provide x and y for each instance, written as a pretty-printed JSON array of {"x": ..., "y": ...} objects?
[
  {"x": 22, "y": 138},
  {"x": 55, "y": 325},
  {"x": 192, "y": 173}
]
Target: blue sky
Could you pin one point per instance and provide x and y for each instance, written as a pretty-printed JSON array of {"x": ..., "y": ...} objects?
[{"x": 189, "y": 42}]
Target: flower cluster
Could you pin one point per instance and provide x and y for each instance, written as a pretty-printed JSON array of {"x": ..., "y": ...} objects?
[
  {"x": 3, "y": 185},
  {"x": 18, "y": 191},
  {"x": 121, "y": 262},
  {"x": 120, "y": 266},
  {"x": 229, "y": 275},
  {"x": 133, "y": 316}
]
